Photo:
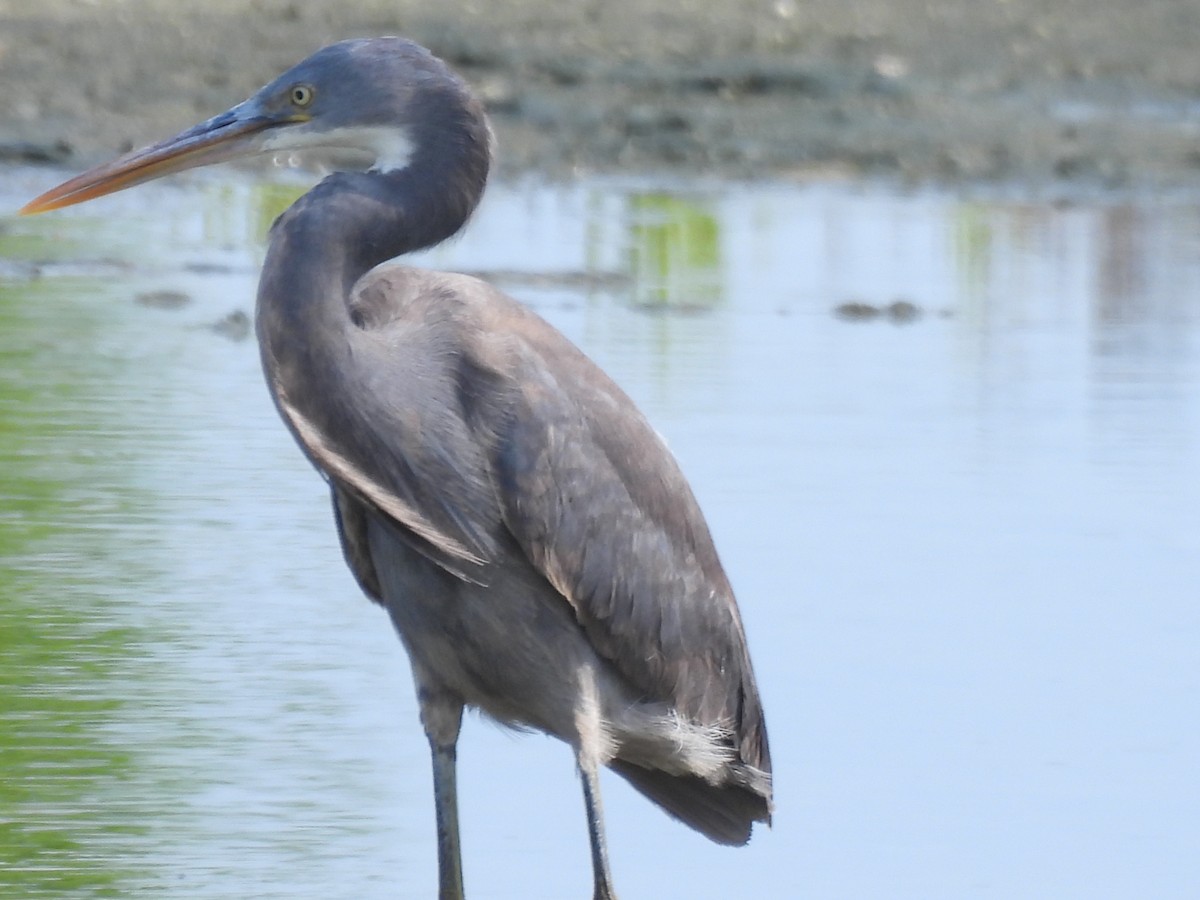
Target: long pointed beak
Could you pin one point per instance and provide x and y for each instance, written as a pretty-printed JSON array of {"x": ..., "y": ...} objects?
[{"x": 227, "y": 136}]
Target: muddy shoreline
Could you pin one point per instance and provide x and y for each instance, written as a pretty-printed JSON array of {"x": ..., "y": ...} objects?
[{"x": 1090, "y": 93}]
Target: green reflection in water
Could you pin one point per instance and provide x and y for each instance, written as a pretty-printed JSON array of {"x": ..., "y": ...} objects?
[
  {"x": 269, "y": 200},
  {"x": 67, "y": 654},
  {"x": 675, "y": 253},
  {"x": 99, "y": 782},
  {"x": 974, "y": 239},
  {"x": 242, "y": 212}
]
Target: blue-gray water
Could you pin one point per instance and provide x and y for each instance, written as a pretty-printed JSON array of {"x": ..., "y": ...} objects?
[{"x": 966, "y": 547}]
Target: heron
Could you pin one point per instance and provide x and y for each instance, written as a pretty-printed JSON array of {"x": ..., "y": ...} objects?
[{"x": 531, "y": 537}]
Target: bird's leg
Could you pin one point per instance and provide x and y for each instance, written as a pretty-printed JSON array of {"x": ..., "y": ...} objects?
[
  {"x": 601, "y": 876},
  {"x": 445, "y": 792},
  {"x": 441, "y": 715},
  {"x": 593, "y": 745}
]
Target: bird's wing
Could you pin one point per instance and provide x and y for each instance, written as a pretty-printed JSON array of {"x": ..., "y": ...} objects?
[
  {"x": 601, "y": 508},
  {"x": 470, "y": 423},
  {"x": 351, "y": 516},
  {"x": 357, "y": 486},
  {"x": 382, "y": 413}
]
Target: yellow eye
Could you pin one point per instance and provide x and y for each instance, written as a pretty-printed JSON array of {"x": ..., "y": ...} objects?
[{"x": 302, "y": 95}]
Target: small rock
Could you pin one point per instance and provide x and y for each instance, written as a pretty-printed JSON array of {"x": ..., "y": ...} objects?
[
  {"x": 856, "y": 311},
  {"x": 235, "y": 326},
  {"x": 902, "y": 311}
]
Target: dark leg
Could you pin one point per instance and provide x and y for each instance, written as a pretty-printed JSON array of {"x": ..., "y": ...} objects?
[
  {"x": 595, "y": 816},
  {"x": 442, "y": 718}
]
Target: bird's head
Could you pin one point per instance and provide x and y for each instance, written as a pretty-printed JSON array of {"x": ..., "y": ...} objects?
[{"x": 384, "y": 99}]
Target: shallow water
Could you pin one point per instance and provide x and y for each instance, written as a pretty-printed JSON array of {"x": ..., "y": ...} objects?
[{"x": 965, "y": 543}]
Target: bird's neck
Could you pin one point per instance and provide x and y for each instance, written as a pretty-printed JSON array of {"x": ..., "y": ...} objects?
[
  {"x": 352, "y": 222},
  {"x": 332, "y": 236}
]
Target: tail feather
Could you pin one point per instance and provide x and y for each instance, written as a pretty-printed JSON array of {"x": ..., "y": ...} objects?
[{"x": 724, "y": 814}]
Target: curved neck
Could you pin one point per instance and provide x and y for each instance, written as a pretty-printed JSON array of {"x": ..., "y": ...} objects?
[{"x": 347, "y": 225}]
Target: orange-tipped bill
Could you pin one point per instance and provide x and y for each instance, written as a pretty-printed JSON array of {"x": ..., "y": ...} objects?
[{"x": 229, "y": 135}]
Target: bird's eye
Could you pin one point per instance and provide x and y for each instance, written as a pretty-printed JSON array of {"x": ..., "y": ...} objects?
[{"x": 302, "y": 95}]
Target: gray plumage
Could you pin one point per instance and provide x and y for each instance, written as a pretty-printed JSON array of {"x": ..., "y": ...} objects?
[{"x": 530, "y": 535}]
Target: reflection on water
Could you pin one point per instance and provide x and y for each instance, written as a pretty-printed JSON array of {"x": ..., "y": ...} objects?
[
  {"x": 965, "y": 545},
  {"x": 63, "y": 645},
  {"x": 674, "y": 253}
]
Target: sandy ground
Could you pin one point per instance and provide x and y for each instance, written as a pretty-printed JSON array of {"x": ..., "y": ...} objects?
[{"x": 1096, "y": 92}]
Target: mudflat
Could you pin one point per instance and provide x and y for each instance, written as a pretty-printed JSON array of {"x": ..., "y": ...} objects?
[{"x": 1082, "y": 91}]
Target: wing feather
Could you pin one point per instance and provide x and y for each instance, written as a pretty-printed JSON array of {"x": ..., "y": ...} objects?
[
  {"x": 342, "y": 469},
  {"x": 599, "y": 504}
]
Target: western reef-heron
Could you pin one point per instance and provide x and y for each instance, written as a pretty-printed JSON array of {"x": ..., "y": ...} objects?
[{"x": 533, "y": 540}]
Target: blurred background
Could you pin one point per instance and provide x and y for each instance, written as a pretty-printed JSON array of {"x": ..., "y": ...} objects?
[
  {"x": 912, "y": 289},
  {"x": 935, "y": 89}
]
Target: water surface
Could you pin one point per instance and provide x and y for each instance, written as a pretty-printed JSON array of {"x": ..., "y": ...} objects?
[{"x": 964, "y": 538}]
